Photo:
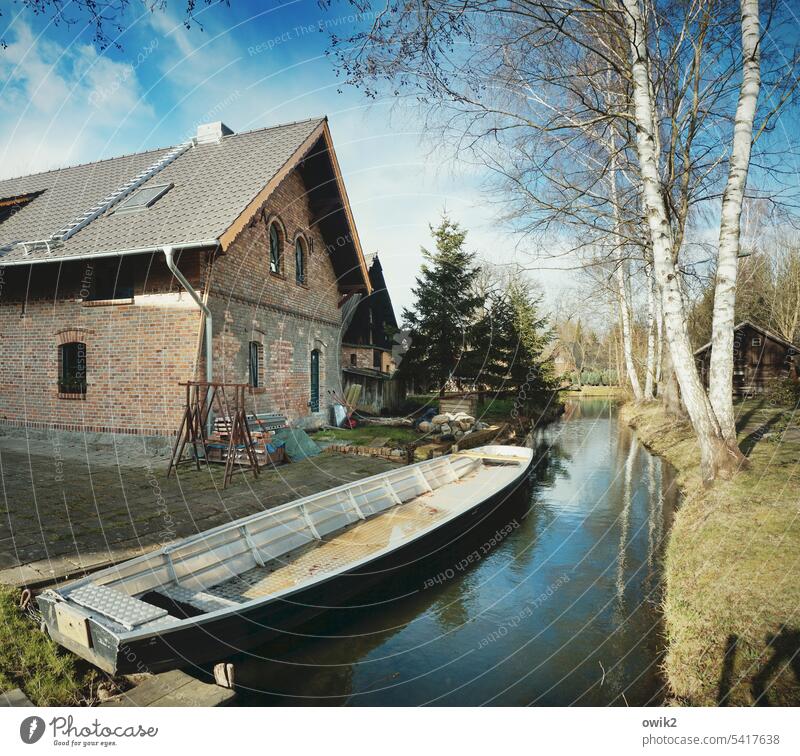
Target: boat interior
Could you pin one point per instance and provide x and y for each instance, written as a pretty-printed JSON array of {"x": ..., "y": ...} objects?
[{"x": 280, "y": 550}]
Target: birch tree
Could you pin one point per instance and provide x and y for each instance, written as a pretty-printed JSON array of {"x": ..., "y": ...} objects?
[
  {"x": 652, "y": 355},
  {"x": 519, "y": 88},
  {"x": 721, "y": 367},
  {"x": 717, "y": 455}
]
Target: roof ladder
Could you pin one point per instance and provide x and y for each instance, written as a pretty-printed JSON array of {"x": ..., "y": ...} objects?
[{"x": 119, "y": 194}]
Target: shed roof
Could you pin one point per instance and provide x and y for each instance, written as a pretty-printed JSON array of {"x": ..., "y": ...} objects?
[{"x": 760, "y": 329}]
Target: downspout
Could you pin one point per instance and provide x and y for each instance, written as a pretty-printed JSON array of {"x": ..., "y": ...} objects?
[{"x": 209, "y": 323}]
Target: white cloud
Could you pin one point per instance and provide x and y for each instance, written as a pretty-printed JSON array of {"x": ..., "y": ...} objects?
[{"x": 63, "y": 105}]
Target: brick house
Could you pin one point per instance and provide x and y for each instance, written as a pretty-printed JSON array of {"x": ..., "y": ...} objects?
[
  {"x": 368, "y": 344},
  {"x": 230, "y": 256}
]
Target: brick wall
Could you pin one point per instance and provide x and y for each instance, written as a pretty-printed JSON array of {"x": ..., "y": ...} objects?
[
  {"x": 363, "y": 355},
  {"x": 135, "y": 353},
  {"x": 286, "y": 318}
]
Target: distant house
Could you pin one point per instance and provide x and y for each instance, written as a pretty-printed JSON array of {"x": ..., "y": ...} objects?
[
  {"x": 367, "y": 346},
  {"x": 229, "y": 256},
  {"x": 563, "y": 360},
  {"x": 759, "y": 357}
]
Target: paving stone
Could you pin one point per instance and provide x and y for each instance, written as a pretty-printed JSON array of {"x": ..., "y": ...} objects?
[
  {"x": 14, "y": 698},
  {"x": 107, "y": 512}
]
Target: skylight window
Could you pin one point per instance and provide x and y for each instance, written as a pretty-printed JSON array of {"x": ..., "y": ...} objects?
[{"x": 144, "y": 198}]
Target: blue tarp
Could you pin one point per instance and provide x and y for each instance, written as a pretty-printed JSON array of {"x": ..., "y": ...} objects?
[{"x": 298, "y": 444}]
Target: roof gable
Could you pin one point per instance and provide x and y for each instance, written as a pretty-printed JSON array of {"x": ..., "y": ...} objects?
[{"x": 763, "y": 331}]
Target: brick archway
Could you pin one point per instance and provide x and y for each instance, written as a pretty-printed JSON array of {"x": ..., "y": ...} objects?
[{"x": 68, "y": 335}]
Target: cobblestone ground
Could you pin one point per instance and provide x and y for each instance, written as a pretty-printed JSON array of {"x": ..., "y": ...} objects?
[{"x": 63, "y": 510}]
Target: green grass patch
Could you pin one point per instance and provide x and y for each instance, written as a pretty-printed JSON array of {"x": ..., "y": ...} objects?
[
  {"x": 595, "y": 391},
  {"x": 732, "y": 607},
  {"x": 365, "y": 435},
  {"x": 31, "y": 661},
  {"x": 503, "y": 409}
]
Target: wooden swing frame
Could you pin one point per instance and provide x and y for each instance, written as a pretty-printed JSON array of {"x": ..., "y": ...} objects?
[{"x": 228, "y": 401}]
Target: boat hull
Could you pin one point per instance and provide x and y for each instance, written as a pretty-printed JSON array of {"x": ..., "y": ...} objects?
[{"x": 388, "y": 577}]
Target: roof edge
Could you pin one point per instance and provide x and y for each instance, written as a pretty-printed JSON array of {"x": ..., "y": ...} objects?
[
  {"x": 206, "y": 243},
  {"x": 346, "y": 204},
  {"x": 227, "y": 237},
  {"x": 760, "y": 329}
]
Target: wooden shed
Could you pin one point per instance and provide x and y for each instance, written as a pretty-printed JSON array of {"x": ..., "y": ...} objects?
[
  {"x": 759, "y": 356},
  {"x": 455, "y": 403}
]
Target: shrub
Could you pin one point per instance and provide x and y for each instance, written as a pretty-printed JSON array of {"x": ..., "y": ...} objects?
[{"x": 784, "y": 392}]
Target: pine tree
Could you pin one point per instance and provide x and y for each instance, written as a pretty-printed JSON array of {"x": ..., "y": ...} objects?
[
  {"x": 443, "y": 315},
  {"x": 509, "y": 340},
  {"x": 494, "y": 344},
  {"x": 532, "y": 336}
]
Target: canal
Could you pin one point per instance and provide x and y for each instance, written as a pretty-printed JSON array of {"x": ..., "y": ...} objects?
[{"x": 556, "y": 603}]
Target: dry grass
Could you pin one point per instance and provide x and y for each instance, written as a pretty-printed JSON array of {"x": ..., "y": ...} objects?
[{"x": 732, "y": 564}]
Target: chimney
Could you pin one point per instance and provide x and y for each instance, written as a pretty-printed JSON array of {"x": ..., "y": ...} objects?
[{"x": 212, "y": 133}]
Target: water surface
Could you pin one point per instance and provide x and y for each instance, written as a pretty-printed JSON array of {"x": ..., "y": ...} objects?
[{"x": 555, "y": 603}]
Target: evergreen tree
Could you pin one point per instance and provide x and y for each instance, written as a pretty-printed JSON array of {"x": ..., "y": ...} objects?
[
  {"x": 494, "y": 343},
  {"x": 508, "y": 343},
  {"x": 442, "y": 318},
  {"x": 531, "y": 335}
]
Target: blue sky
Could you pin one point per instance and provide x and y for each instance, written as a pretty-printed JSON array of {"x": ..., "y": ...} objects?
[{"x": 252, "y": 65}]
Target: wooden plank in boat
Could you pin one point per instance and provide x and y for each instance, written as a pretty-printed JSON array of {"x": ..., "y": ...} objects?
[{"x": 491, "y": 457}]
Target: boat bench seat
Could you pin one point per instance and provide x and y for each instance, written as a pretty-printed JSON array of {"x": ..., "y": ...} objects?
[
  {"x": 206, "y": 602},
  {"x": 119, "y": 607}
]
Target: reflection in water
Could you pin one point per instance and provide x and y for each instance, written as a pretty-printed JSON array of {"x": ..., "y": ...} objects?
[{"x": 563, "y": 610}]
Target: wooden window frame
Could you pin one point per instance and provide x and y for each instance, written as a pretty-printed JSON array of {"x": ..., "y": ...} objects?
[
  {"x": 274, "y": 223},
  {"x": 79, "y": 387},
  {"x": 301, "y": 245}
]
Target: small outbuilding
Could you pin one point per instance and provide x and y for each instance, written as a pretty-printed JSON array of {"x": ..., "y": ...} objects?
[
  {"x": 759, "y": 357},
  {"x": 369, "y": 347}
]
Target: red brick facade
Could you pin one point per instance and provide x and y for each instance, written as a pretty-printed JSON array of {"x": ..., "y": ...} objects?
[
  {"x": 365, "y": 358},
  {"x": 288, "y": 319},
  {"x": 134, "y": 353},
  {"x": 139, "y": 349}
]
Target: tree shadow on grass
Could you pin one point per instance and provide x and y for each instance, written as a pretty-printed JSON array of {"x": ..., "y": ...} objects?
[
  {"x": 726, "y": 677},
  {"x": 785, "y": 646},
  {"x": 744, "y": 418},
  {"x": 751, "y": 439}
]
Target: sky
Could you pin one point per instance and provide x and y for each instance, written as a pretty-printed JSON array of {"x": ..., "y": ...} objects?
[{"x": 253, "y": 64}]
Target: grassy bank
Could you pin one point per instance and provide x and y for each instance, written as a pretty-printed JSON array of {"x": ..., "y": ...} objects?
[
  {"x": 29, "y": 660},
  {"x": 585, "y": 391},
  {"x": 732, "y": 564}
]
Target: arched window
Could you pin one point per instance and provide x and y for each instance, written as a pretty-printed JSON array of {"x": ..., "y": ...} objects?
[
  {"x": 72, "y": 368},
  {"x": 314, "y": 401},
  {"x": 300, "y": 261},
  {"x": 274, "y": 248},
  {"x": 254, "y": 363}
]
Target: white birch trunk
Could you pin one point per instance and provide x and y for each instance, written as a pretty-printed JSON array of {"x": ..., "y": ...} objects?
[
  {"x": 650, "y": 365},
  {"x": 622, "y": 285},
  {"x": 720, "y": 383},
  {"x": 659, "y": 340},
  {"x": 627, "y": 335},
  {"x": 716, "y": 457}
]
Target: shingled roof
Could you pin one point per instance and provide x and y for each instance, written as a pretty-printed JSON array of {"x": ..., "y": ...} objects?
[{"x": 213, "y": 187}]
